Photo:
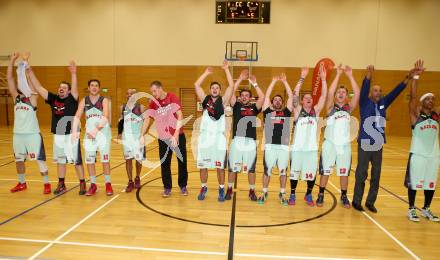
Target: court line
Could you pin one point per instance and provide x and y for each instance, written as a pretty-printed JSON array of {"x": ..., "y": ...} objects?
[
  {"x": 152, "y": 249},
  {"x": 383, "y": 229},
  {"x": 61, "y": 194},
  {"x": 73, "y": 228},
  {"x": 7, "y": 163},
  {"x": 293, "y": 257},
  {"x": 232, "y": 227},
  {"x": 49, "y": 200},
  {"x": 84, "y": 219}
]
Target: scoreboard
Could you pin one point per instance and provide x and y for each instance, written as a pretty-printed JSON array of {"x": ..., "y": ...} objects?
[{"x": 253, "y": 12}]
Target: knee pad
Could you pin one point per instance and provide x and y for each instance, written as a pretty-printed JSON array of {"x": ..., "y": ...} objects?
[{"x": 43, "y": 167}]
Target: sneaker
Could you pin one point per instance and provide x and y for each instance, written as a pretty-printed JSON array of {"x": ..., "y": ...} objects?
[
  {"x": 82, "y": 188},
  {"x": 19, "y": 187},
  {"x": 47, "y": 188},
  {"x": 427, "y": 213},
  {"x": 166, "y": 193},
  {"x": 412, "y": 215},
  {"x": 309, "y": 200},
  {"x": 92, "y": 190},
  {"x": 345, "y": 202},
  {"x": 252, "y": 195},
  {"x": 130, "y": 186},
  {"x": 282, "y": 198},
  {"x": 228, "y": 195},
  {"x": 292, "y": 199},
  {"x": 137, "y": 182},
  {"x": 108, "y": 189},
  {"x": 61, "y": 188},
  {"x": 202, "y": 193},
  {"x": 221, "y": 194},
  {"x": 184, "y": 191},
  {"x": 263, "y": 198},
  {"x": 320, "y": 200}
]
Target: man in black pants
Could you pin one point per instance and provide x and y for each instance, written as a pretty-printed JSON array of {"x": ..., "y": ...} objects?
[
  {"x": 165, "y": 109},
  {"x": 372, "y": 137}
]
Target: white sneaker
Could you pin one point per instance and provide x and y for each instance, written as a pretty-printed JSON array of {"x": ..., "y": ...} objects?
[
  {"x": 427, "y": 213},
  {"x": 412, "y": 215}
]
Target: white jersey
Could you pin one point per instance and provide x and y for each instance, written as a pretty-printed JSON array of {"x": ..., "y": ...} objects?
[
  {"x": 425, "y": 135},
  {"x": 94, "y": 114},
  {"x": 133, "y": 121},
  {"x": 213, "y": 117},
  {"x": 337, "y": 129},
  {"x": 25, "y": 116},
  {"x": 306, "y": 127}
]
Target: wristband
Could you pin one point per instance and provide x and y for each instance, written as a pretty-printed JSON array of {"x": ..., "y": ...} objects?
[
  {"x": 416, "y": 77},
  {"x": 254, "y": 84}
]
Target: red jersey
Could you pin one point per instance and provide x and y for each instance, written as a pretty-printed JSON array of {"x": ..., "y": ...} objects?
[{"x": 164, "y": 113}]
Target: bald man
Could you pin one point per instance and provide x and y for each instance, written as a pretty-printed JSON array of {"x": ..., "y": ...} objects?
[{"x": 371, "y": 137}]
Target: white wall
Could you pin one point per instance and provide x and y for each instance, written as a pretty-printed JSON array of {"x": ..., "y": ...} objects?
[{"x": 389, "y": 33}]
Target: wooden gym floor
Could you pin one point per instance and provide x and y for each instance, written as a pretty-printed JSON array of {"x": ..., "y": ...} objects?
[{"x": 144, "y": 225}]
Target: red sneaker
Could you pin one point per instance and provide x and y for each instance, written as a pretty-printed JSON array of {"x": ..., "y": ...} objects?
[
  {"x": 92, "y": 190},
  {"x": 19, "y": 187},
  {"x": 47, "y": 189},
  {"x": 137, "y": 182},
  {"x": 108, "y": 189}
]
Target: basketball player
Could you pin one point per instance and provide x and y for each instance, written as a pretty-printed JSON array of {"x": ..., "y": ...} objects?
[
  {"x": 27, "y": 140},
  {"x": 243, "y": 150},
  {"x": 97, "y": 136},
  {"x": 336, "y": 149},
  {"x": 63, "y": 105},
  {"x": 304, "y": 152},
  {"x": 423, "y": 162},
  {"x": 211, "y": 148},
  {"x": 132, "y": 116},
  {"x": 277, "y": 137}
]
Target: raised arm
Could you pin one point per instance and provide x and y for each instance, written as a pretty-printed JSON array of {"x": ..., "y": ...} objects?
[
  {"x": 260, "y": 93},
  {"x": 295, "y": 100},
  {"x": 366, "y": 83},
  {"x": 413, "y": 107},
  {"x": 331, "y": 92},
  {"x": 243, "y": 75},
  {"x": 266, "y": 103},
  {"x": 228, "y": 92},
  {"x": 35, "y": 84},
  {"x": 74, "y": 88},
  {"x": 12, "y": 86},
  {"x": 321, "y": 102},
  {"x": 289, "y": 102},
  {"x": 356, "y": 93},
  {"x": 198, "y": 84},
  {"x": 390, "y": 97},
  {"x": 33, "y": 87}
]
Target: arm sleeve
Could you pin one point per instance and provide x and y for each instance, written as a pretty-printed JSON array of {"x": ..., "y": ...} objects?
[
  {"x": 365, "y": 91},
  {"x": 388, "y": 99}
]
